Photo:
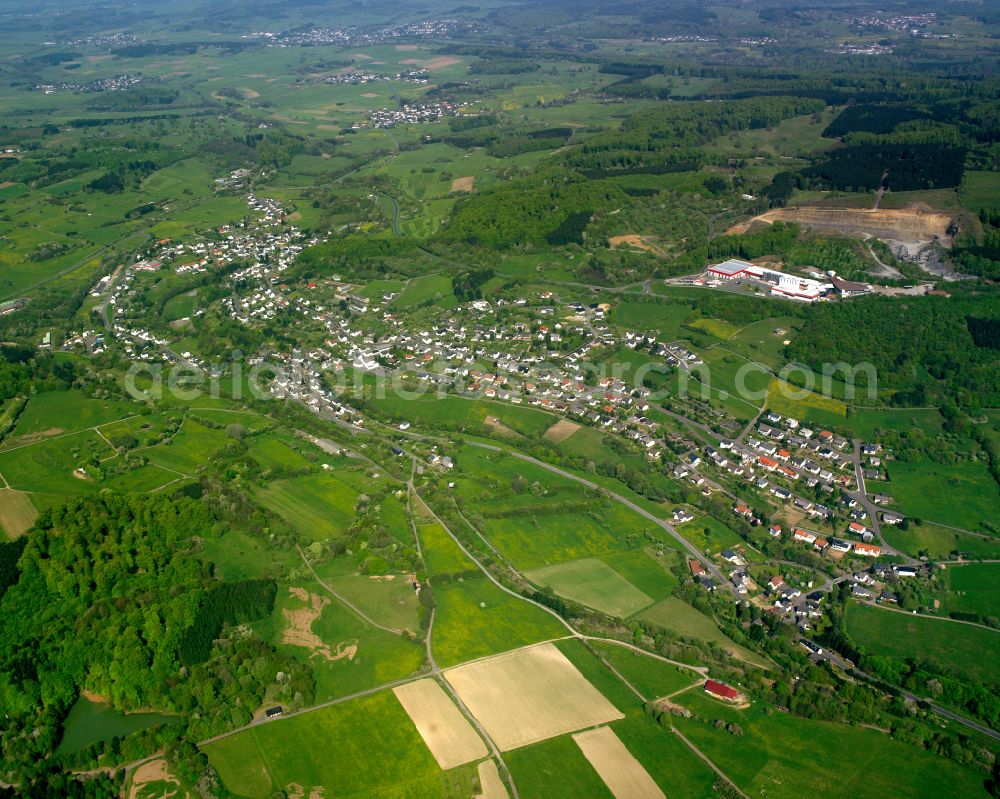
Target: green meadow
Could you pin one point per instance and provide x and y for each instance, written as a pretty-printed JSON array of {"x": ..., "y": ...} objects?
[
  {"x": 318, "y": 505},
  {"x": 939, "y": 543},
  {"x": 968, "y": 651},
  {"x": 973, "y": 495},
  {"x": 592, "y": 583},
  {"x": 474, "y": 618},
  {"x": 677, "y": 615},
  {"x": 533, "y": 541},
  {"x": 366, "y": 747},
  {"x": 973, "y": 588},
  {"x": 441, "y": 554},
  {"x": 709, "y": 534},
  {"x": 865, "y": 423},
  {"x": 783, "y": 756},
  {"x": 66, "y": 412},
  {"x": 651, "y": 677}
]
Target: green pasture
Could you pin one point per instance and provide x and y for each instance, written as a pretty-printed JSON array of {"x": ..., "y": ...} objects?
[
  {"x": 677, "y": 615},
  {"x": 866, "y": 423},
  {"x": 319, "y": 506},
  {"x": 188, "y": 449},
  {"x": 777, "y": 756},
  {"x": 806, "y": 406},
  {"x": 441, "y": 554},
  {"x": 939, "y": 543},
  {"x": 533, "y": 541},
  {"x": 969, "y": 652},
  {"x": 592, "y": 583},
  {"x": 651, "y": 573},
  {"x": 653, "y": 678},
  {"x": 974, "y": 588},
  {"x": 366, "y": 747},
  {"x": 67, "y": 411},
  {"x": 555, "y": 768},
  {"x": 388, "y": 599},
  {"x": 48, "y": 466},
  {"x": 474, "y": 618},
  {"x": 237, "y": 555},
  {"x": 979, "y": 190},
  {"x": 709, "y": 534},
  {"x": 272, "y": 452},
  {"x": 919, "y": 487}
]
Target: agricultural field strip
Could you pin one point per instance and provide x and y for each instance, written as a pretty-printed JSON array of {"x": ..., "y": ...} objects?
[
  {"x": 444, "y": 728},
  {"x": 529, "y": 695},
  {"x": 625, "y": 776}
]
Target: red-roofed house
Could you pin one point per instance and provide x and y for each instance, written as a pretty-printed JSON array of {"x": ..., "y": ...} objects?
[
  {"x": 696, "y": 568},
  {"x": 803, "y": 535},
  {"x": 860, "y": 529},
  {"x": 868, "y": 550}
]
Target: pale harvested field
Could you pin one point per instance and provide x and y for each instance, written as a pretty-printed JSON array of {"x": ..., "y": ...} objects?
[
  {"x": 8, "y": 183},
  {"x": 561, "y": 430},
  {"x": 621, "y": 772},
  {"x": 406, "y": 48},
  {"x": 433, "y": 63},
  {"x": 463, "y": 184},
  {"x": 17, "y": 514},
  {"x": 248, "y": 93},
  {"x": 440, "y": 723},
  {"x": 490, "y": 784},
  {"x": 529, "y": 695}
]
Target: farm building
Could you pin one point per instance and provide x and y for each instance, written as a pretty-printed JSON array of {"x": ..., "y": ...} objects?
[{"x": 721, "y": 691}]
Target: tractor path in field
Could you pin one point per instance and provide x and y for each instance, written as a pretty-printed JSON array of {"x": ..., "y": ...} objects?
[{"x": 344, "y": 600}]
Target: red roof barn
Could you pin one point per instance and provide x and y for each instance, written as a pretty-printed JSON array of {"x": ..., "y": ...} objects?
[{"x": 721, "y": 690}]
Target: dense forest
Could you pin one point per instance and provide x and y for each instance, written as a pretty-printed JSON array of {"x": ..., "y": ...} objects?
[
  {"x": 910, "y": 167},
  {"x": 922, "y": 347},
  {"x": 667, "y": 139},
  {"x": 107, "y": 590}
]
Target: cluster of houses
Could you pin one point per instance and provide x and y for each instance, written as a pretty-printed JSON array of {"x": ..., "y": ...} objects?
[
  {"x": 119, "y": 83},
  {"x": 875, "y": 584},
  {"x": 310, "y": 36},
  {"x": 355, "y": 77},
  {"x": 414, "y": 113},
  {"x": 451, "y": 355}
]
